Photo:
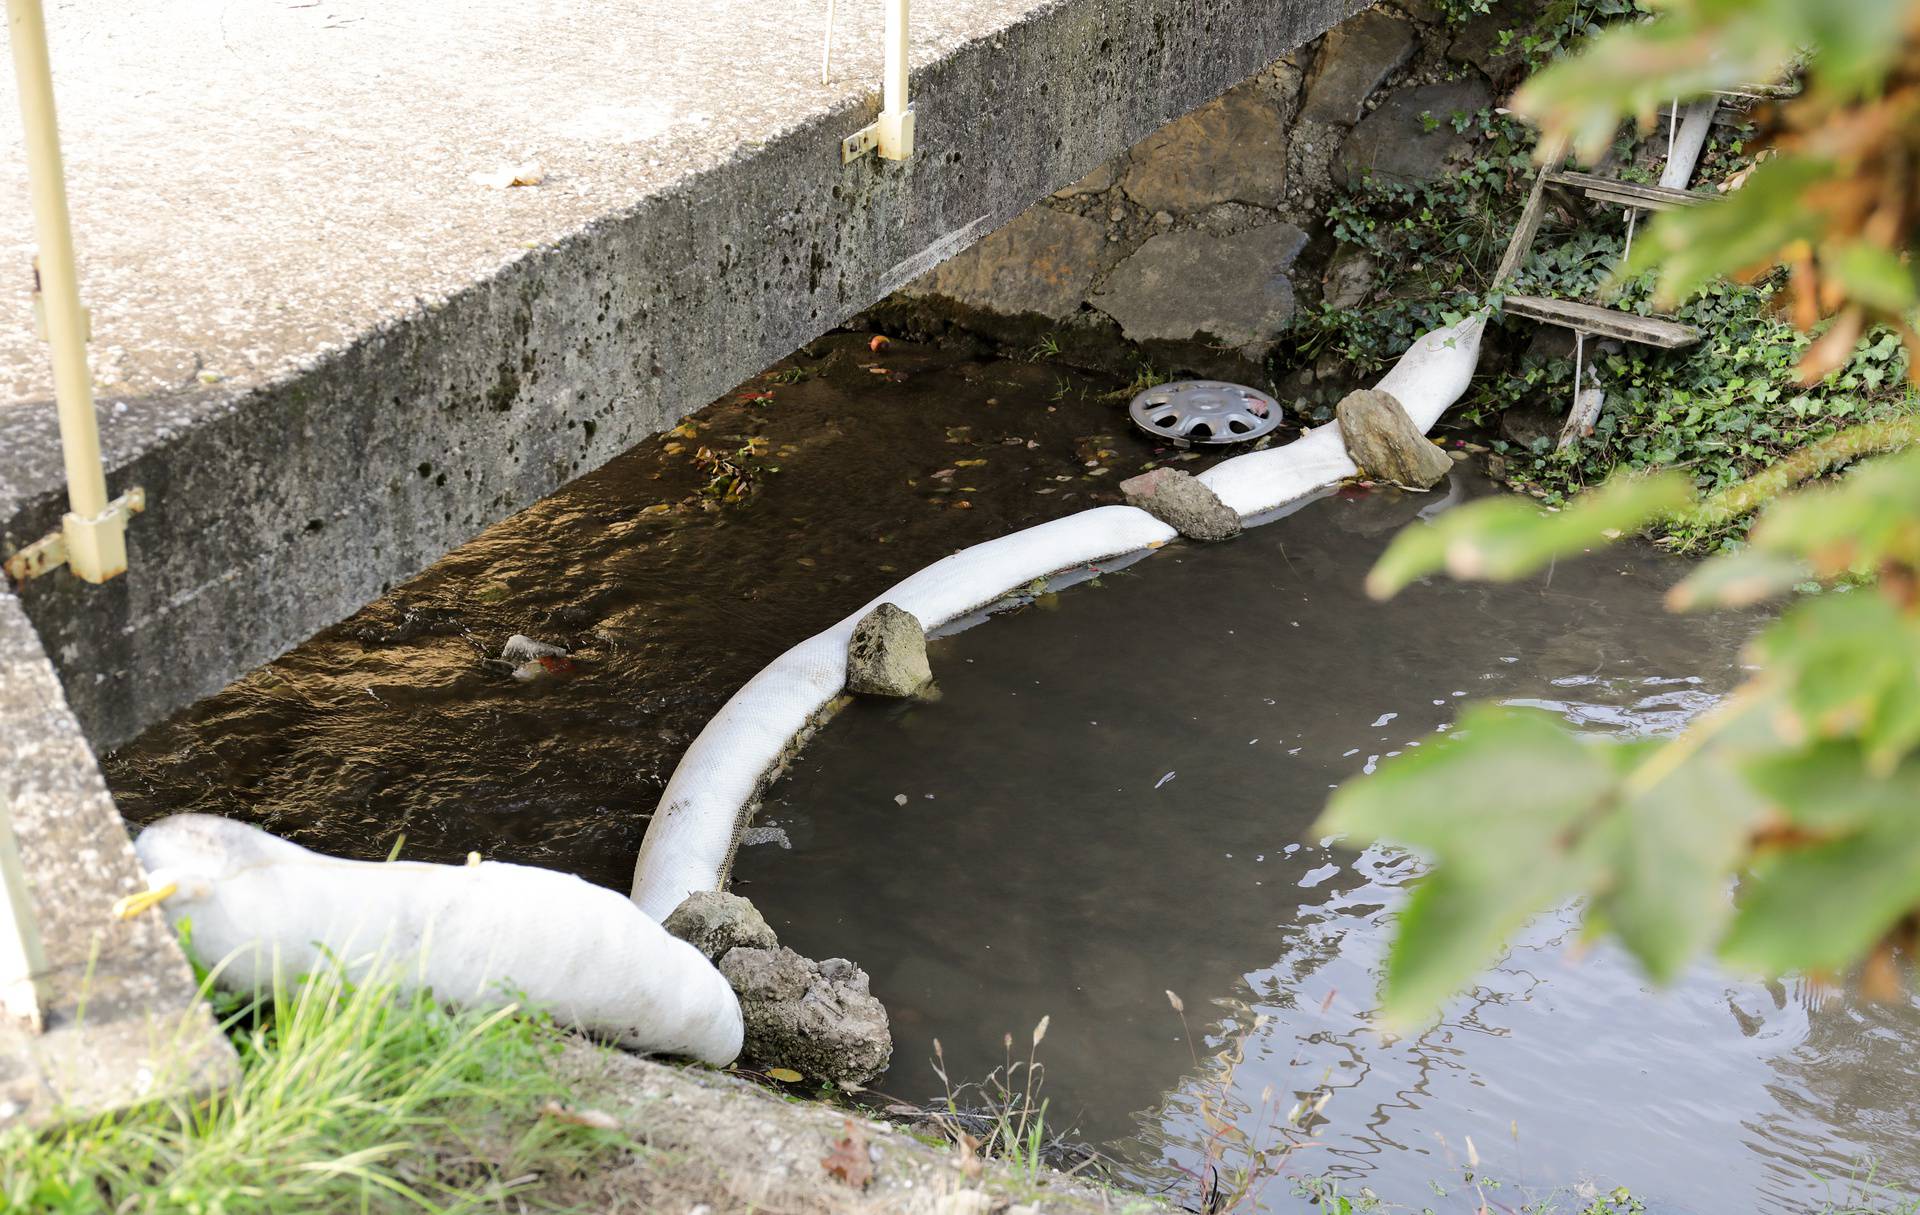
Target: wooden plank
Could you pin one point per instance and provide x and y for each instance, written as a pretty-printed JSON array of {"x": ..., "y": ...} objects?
[
  {"x": 1607, "y": 322},
  {"x": 1630, "y": 193},
  {"x": 1523, "y": 232}
]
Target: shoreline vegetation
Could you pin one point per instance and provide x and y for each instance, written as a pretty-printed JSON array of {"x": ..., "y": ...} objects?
[{"x": 359, "y": 1097}]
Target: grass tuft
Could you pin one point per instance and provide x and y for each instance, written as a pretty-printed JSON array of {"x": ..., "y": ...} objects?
[{"x": 352, "y": 1097}]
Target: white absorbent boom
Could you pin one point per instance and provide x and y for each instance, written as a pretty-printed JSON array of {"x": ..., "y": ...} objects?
[
  {"x": 485, "y": 934},
  {"x": 689, "y": 844}
]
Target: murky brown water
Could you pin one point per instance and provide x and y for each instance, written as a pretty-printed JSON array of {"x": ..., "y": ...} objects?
[
  {"x": 1108, "y": 801},
  {"x": 398, "y": 721},
  {"x": 1111, "y": 799}
]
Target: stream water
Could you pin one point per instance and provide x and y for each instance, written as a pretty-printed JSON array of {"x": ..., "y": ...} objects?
[{"x": 1112, "y": 797}]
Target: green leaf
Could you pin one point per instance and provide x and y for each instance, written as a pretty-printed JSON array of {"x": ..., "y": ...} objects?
[
  {"x": 1738, "y": 579},
  {"x": 1820, "y": 908},
  {"x": 1827, "y": 790},
  {"x": 1506, "y": 538},
  {"x": 1672, "y": 851},
  {"x": 1847, "y": 666},
  {"x": 1873, "y": 276},
  {"x": 1512, "y": 783},
  {"x": 1455, "y": 924},
  {"x": 1870, "y": 516},
  {"x": 1690, "y": 246}
]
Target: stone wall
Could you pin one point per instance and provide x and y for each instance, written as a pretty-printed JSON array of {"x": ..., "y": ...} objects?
[{"x": 1194, "y": 248}]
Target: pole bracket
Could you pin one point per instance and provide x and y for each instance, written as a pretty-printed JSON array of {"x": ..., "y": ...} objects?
[
  {"x": 96, "y": 548},
  {"x": 891, "y": 137}
]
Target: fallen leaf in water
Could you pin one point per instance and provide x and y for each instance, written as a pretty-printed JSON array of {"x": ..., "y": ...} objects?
[
  {"x": 969, "y": 463},
  {"x": 848, "y": 1160},
  {"x": 526, "y": 173},
  {"x": 879, "y": 343},
  {"x": 963, "y": 504},
  {"x": 785, "y": 1075},
  {"x": 591, "y": 1118}
]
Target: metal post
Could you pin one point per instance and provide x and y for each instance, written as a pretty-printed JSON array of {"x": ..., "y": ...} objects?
[
  {"x": 94, "y": 530},
  {"x": 896, "y": 120},
  {"x": 891, "y": 135},
  {"x": 22, "y": 959}
]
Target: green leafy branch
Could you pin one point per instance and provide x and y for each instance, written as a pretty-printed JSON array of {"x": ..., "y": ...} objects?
[{"x": 1797, "y": 794}]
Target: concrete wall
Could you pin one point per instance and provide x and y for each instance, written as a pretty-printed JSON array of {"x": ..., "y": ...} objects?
[
  {"x": 282, "y": 510},
  {"x": 1195, "y": 247}
]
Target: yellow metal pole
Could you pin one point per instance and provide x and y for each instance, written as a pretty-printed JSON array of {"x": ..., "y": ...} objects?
[
  {"x": 896, "y": 120},
  {"x": 95, "y": 535}
]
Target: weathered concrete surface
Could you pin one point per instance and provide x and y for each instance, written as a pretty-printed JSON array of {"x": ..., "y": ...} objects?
[
  {"x": 715, "y": 1142},
  {"x": 329, "y": 356},
  {"x": 123, "y": 1023},
  {"x": 714, "y": 921},
  {"x": 818, "y": 1018}
]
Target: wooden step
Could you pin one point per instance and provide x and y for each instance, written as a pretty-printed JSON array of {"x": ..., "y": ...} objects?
[
  {"x": 1629, "y": 193},
  {"x": 1607, "y": 322}
]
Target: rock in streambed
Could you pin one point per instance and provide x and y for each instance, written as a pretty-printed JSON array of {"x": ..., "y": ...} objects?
[{"x": 817, "y": 1018}]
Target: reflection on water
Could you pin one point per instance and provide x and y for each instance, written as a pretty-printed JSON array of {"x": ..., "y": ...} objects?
[{"x": 1110, "y": 799}]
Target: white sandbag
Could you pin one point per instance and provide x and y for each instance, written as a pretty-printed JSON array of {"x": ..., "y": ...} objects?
[
  {"x": 691, "y": 839},
  {"x": 1428, "y": 378},
  {"x": 483, "y": 935}
]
